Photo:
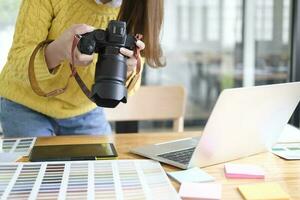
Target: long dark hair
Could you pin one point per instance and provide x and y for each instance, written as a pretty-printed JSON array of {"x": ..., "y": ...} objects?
[{"x": 145, "y": 17}]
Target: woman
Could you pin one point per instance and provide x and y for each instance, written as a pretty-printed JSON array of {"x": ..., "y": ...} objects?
[{"x": 24, "y": 113}]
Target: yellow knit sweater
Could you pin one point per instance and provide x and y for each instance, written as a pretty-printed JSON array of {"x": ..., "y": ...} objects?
[{"x": 39, "y": 20}]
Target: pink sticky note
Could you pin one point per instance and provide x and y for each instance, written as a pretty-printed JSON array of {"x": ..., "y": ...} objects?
[
  {"x": 200, "y": 191},
  {"x": 244, "y": 171}
]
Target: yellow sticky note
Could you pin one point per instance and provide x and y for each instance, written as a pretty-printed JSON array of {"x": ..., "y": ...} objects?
[{"x": 263, "y": 191}]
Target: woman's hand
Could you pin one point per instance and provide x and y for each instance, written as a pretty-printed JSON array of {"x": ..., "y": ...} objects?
[
  {"x": 60, "y": 49},
  {"x": 132, "y": 61}
]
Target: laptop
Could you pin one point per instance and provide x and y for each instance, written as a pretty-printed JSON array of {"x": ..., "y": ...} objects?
[{"x": 244, "y": 121}]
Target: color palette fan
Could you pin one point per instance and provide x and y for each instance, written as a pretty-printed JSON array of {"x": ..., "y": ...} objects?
[{"x": 119, "y": 179}]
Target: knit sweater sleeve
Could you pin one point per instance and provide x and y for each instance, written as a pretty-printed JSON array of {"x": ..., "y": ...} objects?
[{"x": 33, "y": 23}]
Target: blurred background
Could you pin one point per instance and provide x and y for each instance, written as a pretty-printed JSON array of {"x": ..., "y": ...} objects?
[{"x": 209, "y": 45}]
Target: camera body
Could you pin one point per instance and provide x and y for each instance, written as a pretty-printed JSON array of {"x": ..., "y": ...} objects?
[{"x": 109, "y": 88}]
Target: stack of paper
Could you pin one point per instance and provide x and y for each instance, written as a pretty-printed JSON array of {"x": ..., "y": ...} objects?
[
  {"x": 288, "y": 151},
  {"x": 200, "y": 191},
  {"x": 244, "y": 171},
  {"x": 191, "y": 175}
]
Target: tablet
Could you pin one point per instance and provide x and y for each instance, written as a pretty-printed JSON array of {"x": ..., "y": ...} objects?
[{"x": 73, "y": 152}]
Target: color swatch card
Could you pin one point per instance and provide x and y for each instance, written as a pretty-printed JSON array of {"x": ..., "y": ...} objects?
[
  {"x": 200, "y": 191},
  {"x": 288, "y": 151},
  {"x": 13, "y": 149},
  {"x": 118, "y": 179},
  {"x": 263, "y": 191},
  {"x": 243, "y": 171},
  {"x": 191, "y": 175},
  {"x": 18, "y": 145}
]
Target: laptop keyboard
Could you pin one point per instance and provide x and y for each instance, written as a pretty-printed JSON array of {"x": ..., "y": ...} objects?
[{"x": 182, "y": 156}]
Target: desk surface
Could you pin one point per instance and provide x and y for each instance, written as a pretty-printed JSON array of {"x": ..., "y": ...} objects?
[{"x": 285, "y": 173}]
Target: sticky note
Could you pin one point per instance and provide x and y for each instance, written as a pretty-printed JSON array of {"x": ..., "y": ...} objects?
[
  {"x": 200, "y": 191},
  {"x": 191, "y": 175},
  {"x": 244, "y": 171},
  {"x": 290, "y": 151},
  {"x": 263, "y": 191}
]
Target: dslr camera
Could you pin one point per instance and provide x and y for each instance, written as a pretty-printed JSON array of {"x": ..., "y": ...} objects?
[{"x": 111, "y": 69}]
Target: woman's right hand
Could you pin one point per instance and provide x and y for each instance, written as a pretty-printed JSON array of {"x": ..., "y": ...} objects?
[{"x": 60, "y": 49}]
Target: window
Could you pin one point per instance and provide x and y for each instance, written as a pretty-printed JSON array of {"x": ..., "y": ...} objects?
[
  {"x": 285, "y": 21},
  {"x": 9, "y": 10},
  {"x": 272, "y": 41},
  {"x": 264, "y": 20},
  {"x": 204, "y": 50},
  {"x": 213, "y": 20}
]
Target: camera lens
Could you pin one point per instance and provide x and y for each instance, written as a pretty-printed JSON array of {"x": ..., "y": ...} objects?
[{"x": 110, "y": 79}]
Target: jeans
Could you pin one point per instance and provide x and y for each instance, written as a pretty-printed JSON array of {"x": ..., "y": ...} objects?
[{"x": 19, "y": 121}]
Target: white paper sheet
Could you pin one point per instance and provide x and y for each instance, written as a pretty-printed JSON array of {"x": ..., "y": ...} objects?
[
  {"x": 289, "y": 134},
  {"x": 9, "y": 157}
]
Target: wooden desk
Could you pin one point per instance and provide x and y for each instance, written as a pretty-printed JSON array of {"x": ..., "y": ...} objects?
[{"x": 286, "y": 173}]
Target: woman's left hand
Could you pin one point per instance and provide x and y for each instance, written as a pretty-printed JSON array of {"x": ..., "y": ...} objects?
[{"x": 132, "y": 61}]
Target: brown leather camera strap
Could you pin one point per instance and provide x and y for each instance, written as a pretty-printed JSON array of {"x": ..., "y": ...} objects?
[
  {"x": 33, "y": 80},
  {"x": 137, "y": 55},
  {"x": 38, "y": 90},
  {"x": 78, "y": 79},
  {"x": 32, "y": 77}
]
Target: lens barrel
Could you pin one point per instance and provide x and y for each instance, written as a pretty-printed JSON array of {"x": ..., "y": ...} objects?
[{"x": 110, "y": 78}]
